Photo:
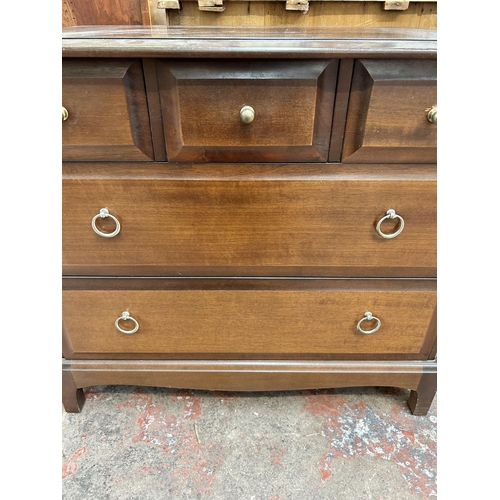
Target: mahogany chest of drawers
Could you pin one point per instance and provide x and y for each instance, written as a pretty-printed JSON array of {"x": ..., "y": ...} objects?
[{"x": 249, "y": 209}]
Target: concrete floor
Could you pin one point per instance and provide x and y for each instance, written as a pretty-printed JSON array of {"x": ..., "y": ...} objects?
[{"x": 134, "y": 443}]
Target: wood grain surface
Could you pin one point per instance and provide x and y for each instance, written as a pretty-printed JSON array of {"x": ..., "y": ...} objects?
[
  {"x": 108, "y": 114},
  {"x": 293, "y": 103},
  {"x": 321, "y": 13},
  {"x": 387, "y": 115},
  {"x": 291, "y": 218},
  {"x": 312, "y": 42},
  {"x": 105, "y": 12},
  {"x": 248, "y": 375},
  {"x": 247, "y": 13},
  {"x": 256, "y": 319}
]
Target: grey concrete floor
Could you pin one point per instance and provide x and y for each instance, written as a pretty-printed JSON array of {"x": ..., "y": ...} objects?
[{"x": 134, "y": 443}]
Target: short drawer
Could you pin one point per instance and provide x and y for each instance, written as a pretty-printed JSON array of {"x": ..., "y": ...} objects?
[
  {"x": 245, "y": 319},
  {"x": 105, "y": 114},
  {"x": 388, "y": 115},
  {"x": 247, "y": 110},
  {"x": 248, "y": 221}
]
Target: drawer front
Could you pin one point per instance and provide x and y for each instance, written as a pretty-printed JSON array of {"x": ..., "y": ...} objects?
[
  {"x": 291, "y": 109},
  {"x": 387, "y": 118},
  {"x": 248, "y": 224},
  {"x": 107, "y": 114},
  {"x": 209, "y": 319}
]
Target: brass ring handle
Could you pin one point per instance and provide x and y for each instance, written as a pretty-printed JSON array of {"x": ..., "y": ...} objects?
[
  {"x": 65, "y": 114},
  {"x": 124, "y": 317},
  {"x": 432, "y": 115},
  {"x": 247, "y": 114},
  {"x": 368, "y": 317},
  {"x": 390, "y": 214},
  {"x": 103, "y": 213}
]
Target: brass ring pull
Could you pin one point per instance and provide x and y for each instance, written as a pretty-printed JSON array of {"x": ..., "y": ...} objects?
[
  {"x": 390, "y": 214},
  {"x": 247, "y": 114},
  {"x": 65, "y": 114},
  {"x": 432, "y": 115},
  {"x": 368, "y": 317},
  {"x": 126, "y": 317},
  {"x": 103, "y": 213}
]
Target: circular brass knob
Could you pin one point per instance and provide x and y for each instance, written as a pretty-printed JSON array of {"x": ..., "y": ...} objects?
[
  {"x": 368, "y": 317},
  {"x": 390, "y": 214},
  {"x": 65, "y": 114},
  {"x": 432, "y": 115},
  {"x": 247, "y": 114},
  {"x": 126, "y": 317},
  {"x": 103, "y": 213}
]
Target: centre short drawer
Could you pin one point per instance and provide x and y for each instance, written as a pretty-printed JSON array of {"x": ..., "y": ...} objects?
[
  {"x": 247, "y": 110},
  {"x": 221, "y": 220},
  {"x": 244, "y": 319}
]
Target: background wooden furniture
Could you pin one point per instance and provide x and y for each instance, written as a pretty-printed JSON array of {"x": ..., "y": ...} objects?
[
  {"x": 353, "y": 13},
  {"x": 202, "y": 250}
]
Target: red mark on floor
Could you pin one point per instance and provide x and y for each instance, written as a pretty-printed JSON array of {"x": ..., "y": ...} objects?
[
  {"x": 324, "y": 467},
  {"x": 193, "y": 462},
  {"x": 146, "y": 470},
  {"x": 71, "y": 465},
  {"x": 92, "y": 395},
  {"x": 327, "y": 406},
  {"x": 357, "y": 430},
  {"x": 192, "y": 404},
  {"x": 277, "y": 454},
  {"x": 410, "y": 435}
]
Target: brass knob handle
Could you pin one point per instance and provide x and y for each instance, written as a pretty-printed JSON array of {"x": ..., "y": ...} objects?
[
  {"x": 65, "y": 114},
  {"x": 368, "y": 317},
  {"x": 126, "y": 317},
  {"x": 432, "y": 115},
  {"x": 247, "y": 114}
]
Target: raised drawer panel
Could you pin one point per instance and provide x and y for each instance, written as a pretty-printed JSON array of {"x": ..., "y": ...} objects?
[
  {"x": 208, "y": 319},
  {"x": 107, "y": 111},
  {"x": 247, "y": 220},
  {"x": 387, "y": 114},
  {"x": 292, "y": 103}
]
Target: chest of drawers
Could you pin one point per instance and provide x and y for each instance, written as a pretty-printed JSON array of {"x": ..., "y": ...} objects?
[{"x": 249, "y": 210}]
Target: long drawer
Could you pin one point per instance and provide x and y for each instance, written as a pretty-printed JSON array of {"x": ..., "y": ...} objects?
[
  {"x": 248, "y": 319},
  {"x": 249, "y": 220}
]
